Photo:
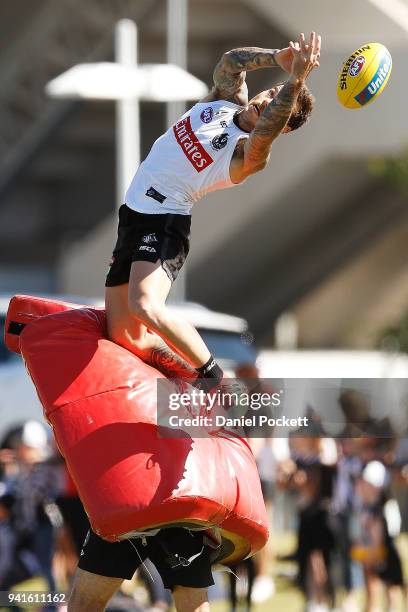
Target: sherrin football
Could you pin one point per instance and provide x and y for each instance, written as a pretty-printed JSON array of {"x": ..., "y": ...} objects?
[{"x": 364, "y": 75}]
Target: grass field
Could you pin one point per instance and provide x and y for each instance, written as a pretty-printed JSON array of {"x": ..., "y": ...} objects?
[{"x": 288, "y": 598}]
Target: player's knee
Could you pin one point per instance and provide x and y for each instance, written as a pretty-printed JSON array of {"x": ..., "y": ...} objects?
[{"x": 145, "y": 311}]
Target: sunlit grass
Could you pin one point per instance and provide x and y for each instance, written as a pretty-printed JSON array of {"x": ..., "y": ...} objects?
[{"x": 288, "y": 597}]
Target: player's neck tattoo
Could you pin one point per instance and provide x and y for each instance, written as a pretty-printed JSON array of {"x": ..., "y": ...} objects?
[{"x": 237, "y": 123}]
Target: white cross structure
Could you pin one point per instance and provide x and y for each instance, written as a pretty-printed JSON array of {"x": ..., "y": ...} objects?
[{"x": 126, "y": 82}]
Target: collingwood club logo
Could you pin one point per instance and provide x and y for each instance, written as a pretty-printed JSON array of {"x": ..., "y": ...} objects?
[
  {"x": 150, "y": 238},
  {"x": 220, "y": 141}
]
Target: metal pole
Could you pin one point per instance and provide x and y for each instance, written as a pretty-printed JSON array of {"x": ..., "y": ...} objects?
[
  {"x": 176, "y": 48},
  {"x": 127, "y": 112},
  {"x": 286, "y": 332},
  {"x": 177, "y": 54}
]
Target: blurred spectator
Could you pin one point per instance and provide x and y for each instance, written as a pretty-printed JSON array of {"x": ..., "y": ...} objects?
[
  {"x": 263, "y": 585},
  {"x": 71, "y": 535},
  {"x": 376, "y": 435},
  {"x": 17, "y": 562},
  {"x": 159, "y": 596},
  {"x": 72, "y": 510},
  {"x": 34, "y": 487},
  {"x": 372, "y": 544},
  {"x": 241, "y": 582},
  {"x": 400, "y": 479},
  {"x": 313, "y": 479},
  {"x": 349, "y": 467},
  {"x": 260, "y": 583}
]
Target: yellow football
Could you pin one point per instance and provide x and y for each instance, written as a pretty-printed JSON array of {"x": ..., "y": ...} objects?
[{"x": 364, "y": 75}]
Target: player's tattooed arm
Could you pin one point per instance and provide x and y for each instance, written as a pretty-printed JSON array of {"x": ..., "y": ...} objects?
[
  {"x": 230, "y": 72},
  {"x": 269, "y": 126},
  {"x": 252, "y": 152},
  {"x": 272, "y": 121},
  {"x": 248, "y": 58}
]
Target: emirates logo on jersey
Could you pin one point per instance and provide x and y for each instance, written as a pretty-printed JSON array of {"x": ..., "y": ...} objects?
[{"x": 191, "y": 146}]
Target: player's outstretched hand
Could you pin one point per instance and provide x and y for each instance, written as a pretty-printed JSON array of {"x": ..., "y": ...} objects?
[
  {"x": 284, "y": 59},
  {"x": 305, "y": 56}
]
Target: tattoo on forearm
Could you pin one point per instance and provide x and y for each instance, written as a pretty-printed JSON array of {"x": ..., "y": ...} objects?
[
  {"x": 271, "y": 123},
  {"x": 251, "y": 58},
  {"x": 170, "y": 364},
  {"x": 230, "y": 72},
  {"x": 278, "y": 111}
]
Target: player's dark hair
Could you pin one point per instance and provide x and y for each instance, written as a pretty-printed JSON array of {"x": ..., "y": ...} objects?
[{"x": 304, "y": 107}]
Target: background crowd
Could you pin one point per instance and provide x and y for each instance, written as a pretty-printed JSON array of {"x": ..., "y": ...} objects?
[{"x": 345, "y": 499}]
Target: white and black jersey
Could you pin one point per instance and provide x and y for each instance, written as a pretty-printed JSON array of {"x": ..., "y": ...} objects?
[{"x": 189, "y": 160}]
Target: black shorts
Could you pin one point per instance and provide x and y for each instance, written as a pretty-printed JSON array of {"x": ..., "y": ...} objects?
[
  {"x": 180, "y": 556},
  {"x": 391, "y": 572},
  {"x": 144, "y": 237},
  {"x": 268, "y": 490}
]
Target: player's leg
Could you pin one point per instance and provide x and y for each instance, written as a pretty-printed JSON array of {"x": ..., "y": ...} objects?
[
  {"x": 190, "y": 600},
  {"x": 373, "y": 590},
  {"x": 141, "y": 305},
  {"x": 149, "y": 286},
  {"x": 102, "y": 567},
  {"x": 91, "y": 592},
  {"x": 125, "y": 329},
  {"x": 148, "y": 255}
]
